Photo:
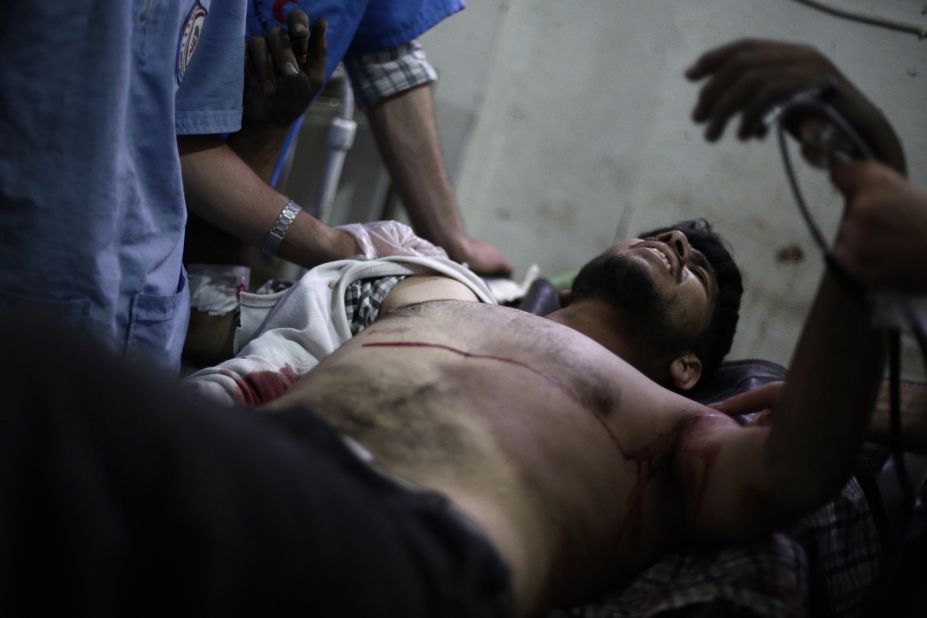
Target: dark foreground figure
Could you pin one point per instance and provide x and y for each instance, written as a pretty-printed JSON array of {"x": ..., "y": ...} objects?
[{"x": 125, "y": 496}]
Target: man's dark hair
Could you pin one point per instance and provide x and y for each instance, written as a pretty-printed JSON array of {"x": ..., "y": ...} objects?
[{"x": 714, "y": 343}]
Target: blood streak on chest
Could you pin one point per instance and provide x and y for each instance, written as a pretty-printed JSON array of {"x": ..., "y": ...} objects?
[{"x": 643, "y": 457}]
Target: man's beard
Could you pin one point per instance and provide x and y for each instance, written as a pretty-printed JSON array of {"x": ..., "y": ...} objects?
[{"x": 628, "y": 286}]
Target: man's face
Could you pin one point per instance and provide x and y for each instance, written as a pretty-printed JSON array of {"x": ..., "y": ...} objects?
[{"x": 663, "y": 287}]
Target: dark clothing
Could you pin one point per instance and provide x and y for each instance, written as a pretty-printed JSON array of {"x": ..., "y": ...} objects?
[{"x": 123, "y": 495}]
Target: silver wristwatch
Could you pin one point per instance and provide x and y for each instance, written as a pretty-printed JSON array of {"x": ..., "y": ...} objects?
[{"x": 280, "y": 227}]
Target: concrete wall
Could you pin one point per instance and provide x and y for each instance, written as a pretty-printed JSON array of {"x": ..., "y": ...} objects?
[{"x": 565, "y": 125}]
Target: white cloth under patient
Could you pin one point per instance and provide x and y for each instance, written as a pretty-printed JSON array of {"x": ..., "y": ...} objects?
[{"x": 285, "y": 334}]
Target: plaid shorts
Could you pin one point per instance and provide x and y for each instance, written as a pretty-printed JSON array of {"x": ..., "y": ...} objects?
[{"x": 364, "y": 298}]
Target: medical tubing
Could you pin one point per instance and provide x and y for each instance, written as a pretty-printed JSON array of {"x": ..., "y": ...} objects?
[
  {"x": 796, "y": 191},
  {"x": 810, "y": 101},
  {"x": 845, "y": 279},
  {"x": 340, "y": 140},
  {"x": 874, "y": 20}
]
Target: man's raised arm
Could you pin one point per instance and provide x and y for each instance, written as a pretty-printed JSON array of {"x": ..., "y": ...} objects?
[{"x": 741, "y": 481}]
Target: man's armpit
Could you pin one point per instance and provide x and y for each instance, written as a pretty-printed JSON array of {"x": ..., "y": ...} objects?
[
  {"x": 721, "y": 466},
  {"x": 422, "y": 288}
]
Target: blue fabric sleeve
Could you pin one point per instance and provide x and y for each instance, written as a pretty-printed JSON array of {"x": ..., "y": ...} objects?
[
  {"x": 388, "y": 23},
  {"x": 209, "y": 98},
  {"x": 355, "y": 26}
]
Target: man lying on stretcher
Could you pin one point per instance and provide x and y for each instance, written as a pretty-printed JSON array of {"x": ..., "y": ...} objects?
[{"x": 553, "y": 433}]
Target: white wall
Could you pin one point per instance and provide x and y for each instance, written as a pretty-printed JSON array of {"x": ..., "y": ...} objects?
[{"x": 583, "y": 135}]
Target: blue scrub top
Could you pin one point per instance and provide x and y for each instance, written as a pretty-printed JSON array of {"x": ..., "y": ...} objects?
[
  {"x": 356, "y": 26},
  {"x": 92, "y": 211}
]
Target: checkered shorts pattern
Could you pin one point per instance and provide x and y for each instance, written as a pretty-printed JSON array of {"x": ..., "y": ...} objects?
[{"x": 363, "y": 299}]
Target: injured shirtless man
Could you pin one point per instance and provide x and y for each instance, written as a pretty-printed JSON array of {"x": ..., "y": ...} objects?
[
  {"x": 553, "y": 437},
  {"x": 558, "y": 437}
]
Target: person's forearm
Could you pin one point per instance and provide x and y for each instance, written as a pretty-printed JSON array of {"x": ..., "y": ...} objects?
[
  {"x": 404, "y": 128},
  {"x": 878, "y": 132},
  {"x": 888, "y": 147},
  {"x": 821, "y": 419},
  {"x": 224, "y": 191},
  {"x": 259, "y": 147}
]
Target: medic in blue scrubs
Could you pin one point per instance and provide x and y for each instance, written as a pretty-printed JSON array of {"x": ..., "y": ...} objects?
[{"x": 92, "y": 213}]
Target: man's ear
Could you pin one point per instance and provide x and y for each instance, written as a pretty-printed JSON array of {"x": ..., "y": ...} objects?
[
  {"x": 685, "y": 371},
  {"x": 566, "y": 297}
]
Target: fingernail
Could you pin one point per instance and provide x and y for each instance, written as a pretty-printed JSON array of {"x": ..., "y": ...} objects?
[{"x": 289, "y": 69}]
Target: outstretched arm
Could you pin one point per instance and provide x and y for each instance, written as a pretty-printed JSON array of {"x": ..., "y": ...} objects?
[{"x": 740, "y": 481}]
